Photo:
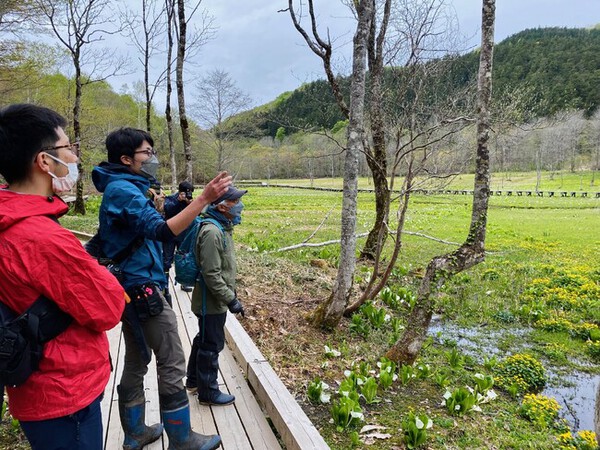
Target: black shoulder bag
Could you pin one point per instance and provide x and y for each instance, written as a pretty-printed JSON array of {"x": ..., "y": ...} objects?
[{"x": 22, "y": 338}]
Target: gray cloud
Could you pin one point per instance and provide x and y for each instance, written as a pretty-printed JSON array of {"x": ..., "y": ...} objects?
[{"x": 266, "y": 56}]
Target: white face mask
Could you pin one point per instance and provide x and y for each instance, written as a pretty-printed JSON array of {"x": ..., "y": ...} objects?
[{"x": 66, "y": 183}]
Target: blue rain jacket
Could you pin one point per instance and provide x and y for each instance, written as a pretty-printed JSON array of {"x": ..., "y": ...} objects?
[{"x": 125, "y": 214}]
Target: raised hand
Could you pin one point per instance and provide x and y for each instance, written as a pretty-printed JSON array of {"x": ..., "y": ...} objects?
[{"x": 216, "y": 187}]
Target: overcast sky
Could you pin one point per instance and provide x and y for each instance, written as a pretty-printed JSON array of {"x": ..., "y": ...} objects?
[{"x": 266, "y": 56}]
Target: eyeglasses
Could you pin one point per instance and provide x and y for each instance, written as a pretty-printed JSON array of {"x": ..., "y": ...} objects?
[
  {"x": 73, "y": 148},
  {"x": 149, "y": 152}
]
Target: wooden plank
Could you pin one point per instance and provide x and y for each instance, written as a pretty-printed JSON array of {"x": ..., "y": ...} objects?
[
  {"x": 295, "y": 428},
  {"x": 242, "y": 347},
  {"x": 253, "y": 418},
  {"x": 201, "y": 416},
  {"x": 243, "y": 421}
]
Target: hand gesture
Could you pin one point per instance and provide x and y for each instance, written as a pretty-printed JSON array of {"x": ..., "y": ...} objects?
[{"x": 216, "y": 187}]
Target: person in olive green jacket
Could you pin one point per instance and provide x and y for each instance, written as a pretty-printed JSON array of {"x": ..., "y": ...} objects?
[{"x": 214, "y": 294}]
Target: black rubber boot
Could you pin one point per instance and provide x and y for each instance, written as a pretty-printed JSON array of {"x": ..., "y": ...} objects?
[{"x": 207, "y": 371}]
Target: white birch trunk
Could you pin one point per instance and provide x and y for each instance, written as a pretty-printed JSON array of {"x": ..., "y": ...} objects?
[{"x": 330, "y": 312}]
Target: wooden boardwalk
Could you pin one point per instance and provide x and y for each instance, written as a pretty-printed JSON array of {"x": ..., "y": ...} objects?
[
  {"x": 244, "y": 372},
  {"x": 241, "y": 425}
]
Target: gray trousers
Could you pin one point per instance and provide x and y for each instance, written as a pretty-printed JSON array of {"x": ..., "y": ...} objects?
[{"x": 163, "y": 339}]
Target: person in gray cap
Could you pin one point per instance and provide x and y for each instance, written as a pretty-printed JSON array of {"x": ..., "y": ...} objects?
[{"x": 214, "y": 294}]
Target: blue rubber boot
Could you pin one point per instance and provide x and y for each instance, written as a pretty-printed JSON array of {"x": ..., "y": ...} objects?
[
  {"x": 133, "y": 416},
  {"x": 176, "y": 417}
]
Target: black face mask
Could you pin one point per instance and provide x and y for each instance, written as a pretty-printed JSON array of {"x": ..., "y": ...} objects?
[{"x": 150, "y": 167}]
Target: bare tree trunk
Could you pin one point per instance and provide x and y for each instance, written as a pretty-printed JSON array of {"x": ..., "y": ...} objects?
[
  {"x": 170, "y": 8},
  {"x": 377, "y": 158},
  {"x": 376, "y": 284},
  {"x": 79, "y": 206},
  {"x": 146, "y": 66},
  {"x": 538, "y": 169},
  {"x": 183, "y": 122},
  {"x": 329, "y": 313},
  {"x": 220, "y": 153},
  {"x": 472, "y": 251}
]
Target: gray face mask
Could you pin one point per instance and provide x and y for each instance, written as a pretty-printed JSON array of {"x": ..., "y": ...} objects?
[{"x": 150, "y": 167}]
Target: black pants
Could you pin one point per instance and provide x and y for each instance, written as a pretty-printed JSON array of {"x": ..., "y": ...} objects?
[
  {"x": 203, "y": 364},
  {"x": 169, "y": 250}
]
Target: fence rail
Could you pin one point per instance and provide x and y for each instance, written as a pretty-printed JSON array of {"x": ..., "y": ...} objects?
[{"x": 493, "y": 192}]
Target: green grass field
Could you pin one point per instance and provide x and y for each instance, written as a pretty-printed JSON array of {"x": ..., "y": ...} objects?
[{"x": 549, "y": 181}]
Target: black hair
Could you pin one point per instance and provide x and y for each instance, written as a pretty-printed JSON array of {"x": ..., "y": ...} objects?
[
  {"x": 125, "y": 141},
  {"x": 24, "y": 130}
]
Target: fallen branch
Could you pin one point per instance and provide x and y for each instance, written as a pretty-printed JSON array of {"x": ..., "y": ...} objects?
[
  {"x": 337, "y": 241},
  {"x": 319, "y": 227}
]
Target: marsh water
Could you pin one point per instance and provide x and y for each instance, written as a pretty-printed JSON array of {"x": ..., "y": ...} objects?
[{"x": 575, "y": 392}]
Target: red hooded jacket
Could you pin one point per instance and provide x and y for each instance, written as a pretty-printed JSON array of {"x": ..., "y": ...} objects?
[{"x": 38, "y": 256}]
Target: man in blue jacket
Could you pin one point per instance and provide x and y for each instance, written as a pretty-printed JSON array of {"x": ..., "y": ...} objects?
[{"x": 130, "y": 224}]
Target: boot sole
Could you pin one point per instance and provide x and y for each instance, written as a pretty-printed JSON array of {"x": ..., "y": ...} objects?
[
  {"x": 215, "y": 404},
  {"x": 140, "y": 447},
  {"x": 144, "y": 443}
]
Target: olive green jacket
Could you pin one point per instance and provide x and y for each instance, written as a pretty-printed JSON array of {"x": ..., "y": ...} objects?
[{"x": 215, "y": 254}]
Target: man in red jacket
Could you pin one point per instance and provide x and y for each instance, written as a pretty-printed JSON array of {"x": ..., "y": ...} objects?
[{"x": 59, "y": 404}]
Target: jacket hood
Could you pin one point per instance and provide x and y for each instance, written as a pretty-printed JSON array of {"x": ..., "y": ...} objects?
[
  {"x": 107, "y": 172},
  {"x": 15, "y": 206}
]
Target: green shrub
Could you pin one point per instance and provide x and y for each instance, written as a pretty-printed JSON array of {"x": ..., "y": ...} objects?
[
  {"x": 585, "y": 331},
  {"x": 539, "y": 409},
  {"x": 593, "y": 349},
  {"x": 521, "y": 373}
]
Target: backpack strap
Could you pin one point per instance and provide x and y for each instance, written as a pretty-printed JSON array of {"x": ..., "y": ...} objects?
[
  {"x": 51, "y": 319},
  {"x": 131, "y": 248},
  {"x": 94, "y": 248},
  {"x": 45, "y": 320}
]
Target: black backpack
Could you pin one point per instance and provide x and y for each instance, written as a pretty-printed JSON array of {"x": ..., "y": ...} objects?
[{"x": 22, "y": 338}]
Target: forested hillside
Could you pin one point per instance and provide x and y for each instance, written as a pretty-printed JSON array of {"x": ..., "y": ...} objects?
[{"x": 542, "y": 71}]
